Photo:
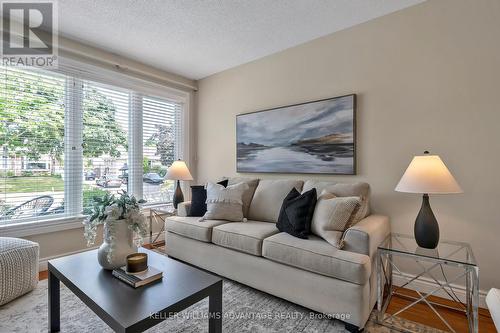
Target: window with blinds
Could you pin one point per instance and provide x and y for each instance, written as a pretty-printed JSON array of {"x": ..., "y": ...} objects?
[
  {"x": 65, "y": 141},
  {"x": 32, "y": 119},
  {"x": 105, "y": 147},
  {"x": 161, "y": 124}
]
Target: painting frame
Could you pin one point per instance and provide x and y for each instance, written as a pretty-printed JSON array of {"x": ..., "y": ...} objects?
[{"x": 353, "y": 170}]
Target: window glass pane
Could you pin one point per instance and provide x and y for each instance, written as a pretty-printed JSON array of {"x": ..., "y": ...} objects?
[
  {"x": 160, "y": 126},
  {"x": 105, "y": 128},
  {"x": 31, "y": 144}
]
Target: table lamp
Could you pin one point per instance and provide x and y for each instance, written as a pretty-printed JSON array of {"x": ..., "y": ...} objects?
[
  {"x": 427, "y": 174},
  {"x": 178, "y": 171}
]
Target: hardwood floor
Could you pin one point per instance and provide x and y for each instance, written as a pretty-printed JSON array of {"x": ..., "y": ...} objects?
[
  {"x": 43, "y": 275},
  {"x": 157, "y": 244},
  {"x": 421, "y": 313}
]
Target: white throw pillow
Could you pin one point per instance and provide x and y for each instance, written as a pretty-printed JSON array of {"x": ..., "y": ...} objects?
[
  {"x": 225, "y": 203},
  {"x": 248, "y": 194},
  {"x": 333, "y": 215}
]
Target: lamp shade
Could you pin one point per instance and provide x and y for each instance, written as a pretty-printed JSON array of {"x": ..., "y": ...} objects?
[
  {"x": 178, "y": 171},
  {"x": 428, "y": 174}
]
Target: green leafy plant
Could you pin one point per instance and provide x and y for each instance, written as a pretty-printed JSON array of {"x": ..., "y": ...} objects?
[
  {"x": 90, "y": 196},
  {"x": 32, "y": 116},
  {"x": 109, "y": 210},
  {"x": 8, "y": 173},
  {"x": 164, "y": 141}
]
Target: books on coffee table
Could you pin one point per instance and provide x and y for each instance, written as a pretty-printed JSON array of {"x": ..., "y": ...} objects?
[{"x": 138, "y": 279}]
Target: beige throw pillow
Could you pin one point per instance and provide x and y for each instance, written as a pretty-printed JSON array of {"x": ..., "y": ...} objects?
[
  {"x": 361, "y": 190},
  {"x": 225, "y": 203},
  {"x": 248, "y": 194},
  {"x": 333, "y": 215}
]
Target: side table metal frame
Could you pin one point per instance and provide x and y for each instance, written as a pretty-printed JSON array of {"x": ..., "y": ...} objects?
[
  {"x": 158, "y": 215},
  {"x": 386, "y": 265}
]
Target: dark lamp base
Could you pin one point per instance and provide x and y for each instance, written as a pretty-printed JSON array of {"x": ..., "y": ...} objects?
[
  {"x": 178, "y": 196},
  {"x": 426, "y": 228}
]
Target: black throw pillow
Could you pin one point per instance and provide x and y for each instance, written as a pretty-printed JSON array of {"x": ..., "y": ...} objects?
[
  {"x": 199, "y": 198},
  {"x": 297, "y": 212}
]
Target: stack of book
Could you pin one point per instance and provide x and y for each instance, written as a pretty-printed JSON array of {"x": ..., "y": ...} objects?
[{"x": 138, "y": 279}]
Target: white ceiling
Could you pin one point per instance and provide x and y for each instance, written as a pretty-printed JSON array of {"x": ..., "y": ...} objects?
[{"x": 196, "y": 38}]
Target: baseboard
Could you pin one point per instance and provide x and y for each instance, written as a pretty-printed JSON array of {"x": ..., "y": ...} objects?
[
  {"x": 427, "y": 285},
  {"x": 42, "y": 263}
]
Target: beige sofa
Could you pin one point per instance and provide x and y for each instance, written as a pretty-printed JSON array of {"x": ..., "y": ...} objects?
[{"x": 309, "y": 272}]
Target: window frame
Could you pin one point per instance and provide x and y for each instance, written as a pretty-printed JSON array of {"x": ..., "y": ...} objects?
[{"x": 78, "y": 71}]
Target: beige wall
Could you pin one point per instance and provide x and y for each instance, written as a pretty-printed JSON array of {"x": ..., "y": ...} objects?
[
  {"x": 427, "y": 77},
  {"x": 59, "y": 243}
]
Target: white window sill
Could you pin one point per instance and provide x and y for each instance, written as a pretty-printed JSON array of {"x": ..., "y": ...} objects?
[
  {"x": 21, "y": 228},
  {"x": 29, "y": 228}
]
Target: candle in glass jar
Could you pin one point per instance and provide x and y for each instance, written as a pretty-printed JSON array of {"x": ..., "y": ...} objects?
[{"x": 137, "y": 262}]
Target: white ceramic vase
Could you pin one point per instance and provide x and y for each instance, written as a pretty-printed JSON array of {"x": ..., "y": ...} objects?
[{"x": 122, "y": 244}]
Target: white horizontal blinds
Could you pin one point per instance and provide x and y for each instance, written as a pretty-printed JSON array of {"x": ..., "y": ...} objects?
[
  {"x": 179, "y": 132},
  {"x": 73, "y": 168},
  {"x": 66, "y": 139},
  {"x": 161, "y": 132},
  {"x": 135, "y": 145},
  {"x": 105, "y": 141},
  {"x": 32, "y": 122}
]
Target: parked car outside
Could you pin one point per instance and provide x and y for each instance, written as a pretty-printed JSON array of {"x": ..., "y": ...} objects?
[
  {"x": 109, "y": 181},
  {"x": 90, "y": 175},
  {"x": 152, "y": 178}
]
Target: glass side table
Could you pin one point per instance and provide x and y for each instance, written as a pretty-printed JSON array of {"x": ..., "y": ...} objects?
[
  {"x": 432, "y": 267},
  {"x": 158, "y": 214}
]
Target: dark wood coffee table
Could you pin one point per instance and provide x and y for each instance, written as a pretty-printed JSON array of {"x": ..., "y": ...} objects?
[{"x": 124, "y": 308}]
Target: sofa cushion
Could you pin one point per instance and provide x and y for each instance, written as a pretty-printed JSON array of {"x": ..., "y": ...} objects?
[
  {"x": 191, "y": 227},
  {"x": 243, "y": 236},
  {"x": 358, "y": 189},
  {"x": 269, "y": 196},
  {"x": 248, "y": 194},
  {"x": 318, "y": 256}
]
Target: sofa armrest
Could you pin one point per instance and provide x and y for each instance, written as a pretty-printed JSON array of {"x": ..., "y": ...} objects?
[
  {"x": 183, "y": 208},
  {"x": 365, "y": 236}
]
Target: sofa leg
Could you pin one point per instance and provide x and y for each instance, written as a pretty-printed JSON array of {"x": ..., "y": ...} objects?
[{"x": 352, "y": 328}]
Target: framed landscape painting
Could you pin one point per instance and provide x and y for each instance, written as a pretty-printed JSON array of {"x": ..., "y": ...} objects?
[{"x": 315, "y": 137}]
